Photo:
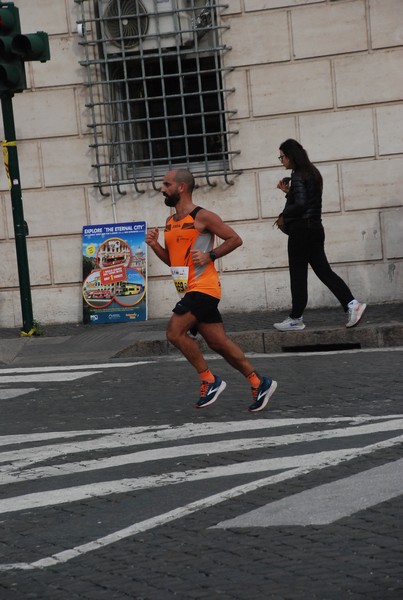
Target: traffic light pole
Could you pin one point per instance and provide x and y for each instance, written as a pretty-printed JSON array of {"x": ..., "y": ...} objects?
[
  {"x": 15, "y": 50},
  {"x": 18, "y": 214}
]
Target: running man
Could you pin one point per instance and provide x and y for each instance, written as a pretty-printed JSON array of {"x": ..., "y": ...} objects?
[{"x": 190, "y": 253}]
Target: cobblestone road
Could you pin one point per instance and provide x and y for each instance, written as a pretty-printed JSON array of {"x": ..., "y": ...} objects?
[{"x": 115, "y": 487}]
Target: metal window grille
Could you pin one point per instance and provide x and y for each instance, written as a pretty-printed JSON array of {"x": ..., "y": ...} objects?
[{"x": 156, "y": 89}]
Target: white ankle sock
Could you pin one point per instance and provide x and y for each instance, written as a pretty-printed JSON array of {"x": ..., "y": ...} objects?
[{"x": 353, "y": 303}]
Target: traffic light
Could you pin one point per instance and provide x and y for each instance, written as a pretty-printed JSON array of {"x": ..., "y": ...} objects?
[
  {"x": 12, "y": 70},
  {"x": 33, "y": 46},
  {"x": 16, "y": 49}
]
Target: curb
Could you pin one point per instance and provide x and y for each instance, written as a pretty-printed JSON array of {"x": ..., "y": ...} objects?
[{"x": 272, "y": 342}]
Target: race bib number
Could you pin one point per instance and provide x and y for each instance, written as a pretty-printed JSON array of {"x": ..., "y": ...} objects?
[{"x": 180, "y": 276}]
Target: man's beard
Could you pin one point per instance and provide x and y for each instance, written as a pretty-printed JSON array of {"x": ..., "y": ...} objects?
[{"x": 171, "y": 200}]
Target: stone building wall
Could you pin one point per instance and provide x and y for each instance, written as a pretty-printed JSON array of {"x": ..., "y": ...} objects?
[{"x": 326, "y": 72}]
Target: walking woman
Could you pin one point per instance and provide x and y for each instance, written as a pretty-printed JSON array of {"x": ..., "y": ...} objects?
[{"x": 301, "y": 219}]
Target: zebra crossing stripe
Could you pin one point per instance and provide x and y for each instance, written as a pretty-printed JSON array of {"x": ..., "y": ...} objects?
[{"x": 327, "y": 503}]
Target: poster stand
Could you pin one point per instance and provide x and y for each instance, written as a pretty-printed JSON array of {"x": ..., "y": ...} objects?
[{"x": 114, "y": 272}]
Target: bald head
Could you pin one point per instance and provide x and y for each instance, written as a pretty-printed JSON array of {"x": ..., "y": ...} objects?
[{"x": 184, "y": 176}]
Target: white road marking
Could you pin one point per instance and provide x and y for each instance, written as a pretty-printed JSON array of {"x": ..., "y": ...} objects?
[
  {"x": 8, "y": 393},
  {"x": 10, "y": 440},
  {"x": 74, "y": 367},
  {"x": 41, "y": 374},
  {"x": 327, "y": 503},
  {"x": 118, "y": 438},
  {"x": 15, "y": 462},
  {"x": 10, "y": 473},
  {"x": 126, "y": 485},
  {"x": 78, "y": 551},
  {"x": 167, "y": 432},
  {"x": 40, "y": 377}
]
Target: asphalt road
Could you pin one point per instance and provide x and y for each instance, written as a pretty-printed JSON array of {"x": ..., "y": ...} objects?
[{"x": 115, "y": 487}]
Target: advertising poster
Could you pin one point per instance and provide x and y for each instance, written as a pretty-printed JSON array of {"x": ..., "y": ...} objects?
[{"x": 114, "y": 273}]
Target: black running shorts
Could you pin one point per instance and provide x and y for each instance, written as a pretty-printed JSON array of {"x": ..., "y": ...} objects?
[{"x": 202, "y": 306}]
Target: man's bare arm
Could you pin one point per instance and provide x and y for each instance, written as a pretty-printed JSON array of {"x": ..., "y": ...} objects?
[
  {"x": 152, "y": 241},
  {"x": 207, "y": 220}
]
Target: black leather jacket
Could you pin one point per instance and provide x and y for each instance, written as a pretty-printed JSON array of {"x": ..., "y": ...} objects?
[{"x": 304, "y": 200}]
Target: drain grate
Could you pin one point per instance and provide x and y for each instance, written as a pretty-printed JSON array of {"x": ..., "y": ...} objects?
[{"x": 321, "y": 347}]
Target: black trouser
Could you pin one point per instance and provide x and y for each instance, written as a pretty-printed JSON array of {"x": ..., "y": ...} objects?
[{"x": 306, "y": 245}]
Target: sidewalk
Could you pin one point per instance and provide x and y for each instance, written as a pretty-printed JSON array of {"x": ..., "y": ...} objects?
[{"x": 381, "y": 326}]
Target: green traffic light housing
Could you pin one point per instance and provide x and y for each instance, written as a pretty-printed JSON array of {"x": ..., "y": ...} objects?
[
  {"x": 9, "y": 18},
  {"x": 12, "y": 78},
  {"x": 17, "y": 48},
  {"x": 33, "y": 46},
  {"x": 12, "y": 68}
]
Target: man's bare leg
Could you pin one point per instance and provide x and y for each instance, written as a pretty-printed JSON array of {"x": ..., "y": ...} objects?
[
  {"x": 262, "y": 387},
  {"x": 211, "y": 386},
  {"x": 177, "y": 329},
  {"x": 217, "y": 340}
]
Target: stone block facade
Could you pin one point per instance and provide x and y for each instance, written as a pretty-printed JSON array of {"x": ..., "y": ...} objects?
[{"x": 326, "y": 72}]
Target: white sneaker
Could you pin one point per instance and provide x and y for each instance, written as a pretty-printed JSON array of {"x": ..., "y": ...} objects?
[
  {"x": 355, "y": 314},
  {"x": 290, "y": 324}
]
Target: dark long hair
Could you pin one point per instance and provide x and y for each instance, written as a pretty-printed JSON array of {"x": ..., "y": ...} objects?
[{"x": 299, "y": 160}]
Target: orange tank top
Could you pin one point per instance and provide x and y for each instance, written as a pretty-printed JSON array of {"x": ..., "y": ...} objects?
[{"x": 181, "y": 237}]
